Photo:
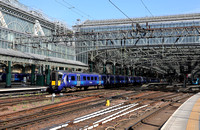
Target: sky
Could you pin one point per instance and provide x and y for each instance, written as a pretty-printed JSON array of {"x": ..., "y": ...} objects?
[{"x": 75, "y": 11}]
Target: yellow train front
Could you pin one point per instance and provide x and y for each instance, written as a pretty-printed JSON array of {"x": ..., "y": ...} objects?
[{"x": 56, "y": 80}]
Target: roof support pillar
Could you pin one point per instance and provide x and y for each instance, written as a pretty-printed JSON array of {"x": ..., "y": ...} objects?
[
  {"x": 121, "y": 70},
  {"x": 32, "y": 74},
  {"x": 8, "y": 75},
  {"x": 24, "y": 69},
  {"x": 114, "y": 67},
  {"x": 104, "y": 67},
  {"x": 124, "y": 71},
  {"x": 132, "y": 72},
  {"x": 48, "y": 75},
  {"x": 91, "y": 66},
  {"x": 40, "y": 78},
  {"x": 127, "y": 71}
]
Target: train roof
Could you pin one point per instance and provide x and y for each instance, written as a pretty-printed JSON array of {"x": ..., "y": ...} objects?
[{"x": 64, "y": 71}]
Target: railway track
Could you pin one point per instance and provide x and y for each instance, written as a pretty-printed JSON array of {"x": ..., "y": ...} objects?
[
  {"x": 15, "y": 120},
  {"x": 158, "y": 117},
  {"x": 5, "y": 102},
  {"x": 50, "y": 111},
  {"x": 73, "y": 114},
  {"x": 12, "y": 103},
  {"x": 105, "y": 118},
  {"x": 99, "y": 121}
]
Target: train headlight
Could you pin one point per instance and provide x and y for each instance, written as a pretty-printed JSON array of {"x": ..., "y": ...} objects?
[{"x": 53, "y": 83}]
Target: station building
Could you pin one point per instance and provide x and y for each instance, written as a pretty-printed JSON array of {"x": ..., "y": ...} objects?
[{"x": 20, "y": 21}]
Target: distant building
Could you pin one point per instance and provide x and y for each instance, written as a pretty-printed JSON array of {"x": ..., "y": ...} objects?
[{"x": 20, "y": 21}]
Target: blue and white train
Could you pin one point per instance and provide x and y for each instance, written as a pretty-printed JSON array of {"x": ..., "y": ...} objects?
[
  {"x": 61, "y": 80},
  {"x": 15, "y": 77}
]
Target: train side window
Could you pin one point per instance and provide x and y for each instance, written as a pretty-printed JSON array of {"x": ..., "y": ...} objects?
[
  {"x": 92, "y": 78},
  {"x": 95, "y": 78},
  {"x": 84, "y": 78},
  {"x": 73, "y": 78},
  {"x": 88, "y": 78}
]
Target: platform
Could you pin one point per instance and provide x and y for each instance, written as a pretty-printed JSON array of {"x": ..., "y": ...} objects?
[
  {"x": 186, "y": 117},
  {"x": 19, "y": 89}
]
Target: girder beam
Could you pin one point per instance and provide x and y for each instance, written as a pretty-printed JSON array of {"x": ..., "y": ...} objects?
[{"x": 149, "y": 47}]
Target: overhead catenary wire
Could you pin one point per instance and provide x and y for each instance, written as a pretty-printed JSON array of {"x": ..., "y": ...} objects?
[
  {"x": 138, "y": 27},
  {"x": 146, "y": 7},
  {"x": 70, "y": 8},
  {"x": 73, "y": 7},
  {"x": 121, "y": 11}
]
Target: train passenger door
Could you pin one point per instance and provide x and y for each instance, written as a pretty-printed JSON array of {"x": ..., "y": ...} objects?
[
  {"x": 108, "y": 79},
  {"x": 99, "y": 79},
  {"x": 78, "y": 80}
]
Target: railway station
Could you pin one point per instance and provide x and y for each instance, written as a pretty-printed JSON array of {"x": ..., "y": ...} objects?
[{"x": 98, "y": 74}]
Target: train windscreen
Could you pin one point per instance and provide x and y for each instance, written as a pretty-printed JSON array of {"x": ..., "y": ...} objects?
[{"x": 53, "y": 76}]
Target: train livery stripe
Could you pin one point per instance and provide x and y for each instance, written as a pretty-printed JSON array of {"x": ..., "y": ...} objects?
[
  {"x": 193, "y": 121},
  {"x": 59, "y": 82}
]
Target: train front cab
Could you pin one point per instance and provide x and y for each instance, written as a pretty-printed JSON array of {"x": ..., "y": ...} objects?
[
  {"x": 56, "y": 79},
  {"x": 60, "y": 80}
]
